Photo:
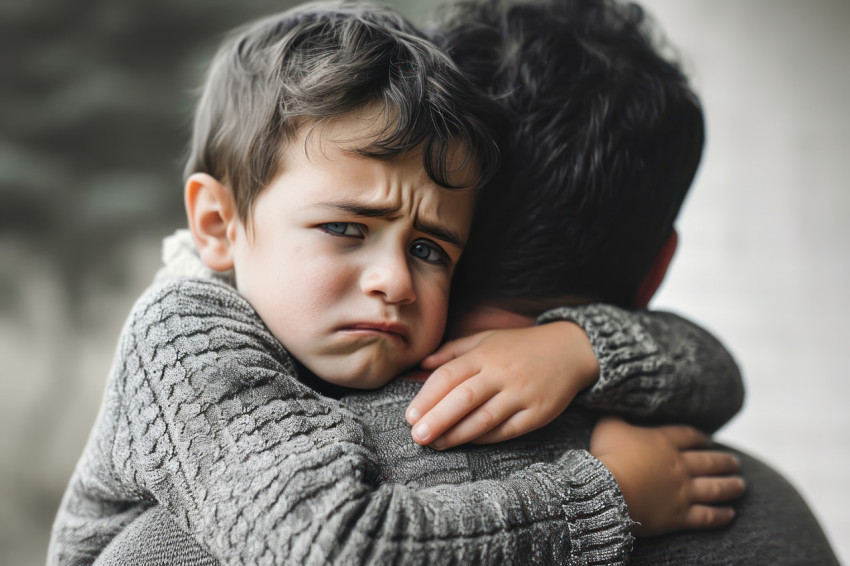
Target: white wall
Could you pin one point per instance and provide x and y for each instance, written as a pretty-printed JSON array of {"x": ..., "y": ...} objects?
[{"x": 765, "y": 236}]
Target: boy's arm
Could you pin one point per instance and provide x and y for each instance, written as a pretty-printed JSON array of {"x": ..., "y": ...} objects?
[
  {"x": 203, "y": 417},
  {"x": 652, "y": 367},
  {"x": 656, "y": 367}
]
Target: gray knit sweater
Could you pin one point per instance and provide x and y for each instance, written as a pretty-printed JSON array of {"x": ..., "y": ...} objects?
[{"x": 203, "y": 414}]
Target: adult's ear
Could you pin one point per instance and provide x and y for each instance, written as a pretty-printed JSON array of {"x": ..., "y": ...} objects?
[
  {"x": 212, "y": 217},
  {"x": 656, "y": 272}
]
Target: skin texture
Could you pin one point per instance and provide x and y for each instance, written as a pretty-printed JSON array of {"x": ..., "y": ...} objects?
[
  {"x": 668, "y": 477},
  {"x": 499, "y": 384},
  {"x": 347, "y": 259}
]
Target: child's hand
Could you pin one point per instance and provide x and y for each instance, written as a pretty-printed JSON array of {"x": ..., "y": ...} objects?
[
  {"x": 500, "y": 384},
  {"x": 668, "y": 485}
]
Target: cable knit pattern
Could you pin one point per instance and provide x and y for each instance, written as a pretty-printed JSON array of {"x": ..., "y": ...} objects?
[
  {"x": 656, "y": 367},
  {"x": 595, "y": 527},
  {"x": 202, "y": 415}
]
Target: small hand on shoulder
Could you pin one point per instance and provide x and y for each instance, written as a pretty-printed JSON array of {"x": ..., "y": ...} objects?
[
  {"x": 500, "y": 384},
  {"x": 669, "y": 477}
]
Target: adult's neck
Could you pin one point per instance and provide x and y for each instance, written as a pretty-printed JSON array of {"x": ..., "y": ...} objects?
[{"x": 504, "y": 314}]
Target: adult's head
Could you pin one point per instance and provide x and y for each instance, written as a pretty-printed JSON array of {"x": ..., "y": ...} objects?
[{"x": 605, "y": 137}]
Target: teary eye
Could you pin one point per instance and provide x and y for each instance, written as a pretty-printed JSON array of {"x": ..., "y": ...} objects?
[
  {"x": 428, "y": 252},
  {"x": 347, "y": 229}
]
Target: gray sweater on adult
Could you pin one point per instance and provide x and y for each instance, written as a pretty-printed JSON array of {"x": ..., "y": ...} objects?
[{"x": 204, "y": 415}]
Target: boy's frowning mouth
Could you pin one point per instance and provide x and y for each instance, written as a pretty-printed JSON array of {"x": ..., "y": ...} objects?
[{"x": 392, "y": 330}]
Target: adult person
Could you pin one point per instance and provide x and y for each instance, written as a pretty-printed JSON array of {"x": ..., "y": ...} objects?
[
  {"x": 749, "y": 527},
  {"x": 601, "y": 124}
]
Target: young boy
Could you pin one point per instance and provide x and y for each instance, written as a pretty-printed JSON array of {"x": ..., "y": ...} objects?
[{"x": 325, "y": 141}]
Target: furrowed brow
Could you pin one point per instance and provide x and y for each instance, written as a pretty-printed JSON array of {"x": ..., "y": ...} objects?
[
  {"x": 390, "y": 213},
  {"x": 358, "y": 209},
  {"x": 440, "y": 233}
]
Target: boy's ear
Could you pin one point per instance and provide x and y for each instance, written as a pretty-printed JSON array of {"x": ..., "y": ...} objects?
[
  {"x": 656, "y": 272},
  {"x": 212, "y": 217}
]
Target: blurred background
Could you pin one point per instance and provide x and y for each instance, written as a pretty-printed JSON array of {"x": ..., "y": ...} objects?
[{"x": 95, "y": 103}]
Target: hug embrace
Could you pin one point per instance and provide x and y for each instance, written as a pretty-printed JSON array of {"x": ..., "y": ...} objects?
[{"x": 407, "y": 321}]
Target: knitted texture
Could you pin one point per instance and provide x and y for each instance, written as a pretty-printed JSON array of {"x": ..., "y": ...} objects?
[
  {"x": 202, "y": 415},
  {"x": 656, "y": 367},
  {"x": 154, "y": 540}
]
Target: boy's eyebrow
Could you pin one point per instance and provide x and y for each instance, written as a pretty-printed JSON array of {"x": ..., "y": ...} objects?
[{"x": 390, "y": 213}]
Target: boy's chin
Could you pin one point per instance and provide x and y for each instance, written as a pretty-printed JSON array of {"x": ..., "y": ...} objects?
[{"x": 360, "y": 371}]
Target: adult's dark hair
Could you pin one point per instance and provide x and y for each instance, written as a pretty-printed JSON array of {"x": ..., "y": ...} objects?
[
  {"x": 605, "y": 136},
  {"x": 322, "y": 61}
]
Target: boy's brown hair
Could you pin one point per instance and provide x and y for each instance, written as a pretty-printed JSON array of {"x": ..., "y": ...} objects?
[{"x": 318, "y": 62}]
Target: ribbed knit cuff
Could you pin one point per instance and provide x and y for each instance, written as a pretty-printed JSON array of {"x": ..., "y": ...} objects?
[
  {"x": 626, "y": 352},
  {"x": 599, "y": 522}
]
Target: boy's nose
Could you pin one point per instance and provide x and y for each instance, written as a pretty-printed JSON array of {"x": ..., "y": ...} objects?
[{"x": 390, "y": 280}]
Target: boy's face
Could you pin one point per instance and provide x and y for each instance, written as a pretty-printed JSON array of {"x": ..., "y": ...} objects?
[{"x": 348, "y": 259}]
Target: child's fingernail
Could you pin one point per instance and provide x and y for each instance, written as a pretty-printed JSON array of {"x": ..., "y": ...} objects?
[
  {"x": 413, "y": 415},
  {"x": 438, "y": 444},
  {"x": 421, "y": 433}
]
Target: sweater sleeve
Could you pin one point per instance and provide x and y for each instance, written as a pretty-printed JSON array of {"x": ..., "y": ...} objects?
[
  {"x": 656, "y": 367},
  {"x": 204, "y": 417}
]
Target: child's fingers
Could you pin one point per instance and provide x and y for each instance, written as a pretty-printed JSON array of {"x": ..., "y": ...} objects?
[
  {"x": 521, "y": 422},
  {"x": 717, "y": 489},
  {"x": 438, "y": 385},
  {"x": 710, "y": 463},
  {"x": 451, "y": 350},
  {"x": 708, "y": 517},
  {"x": 456, "y": 404},
  {"x": 479, "y": 421},
  {"x": 685, "y": 437},
  {"x": 444, "y": 353}
]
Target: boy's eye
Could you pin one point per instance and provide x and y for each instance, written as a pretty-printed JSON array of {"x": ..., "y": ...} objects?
[
  {"x": 429, "y": 252},
  {"x": 348, "y": 229}
]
